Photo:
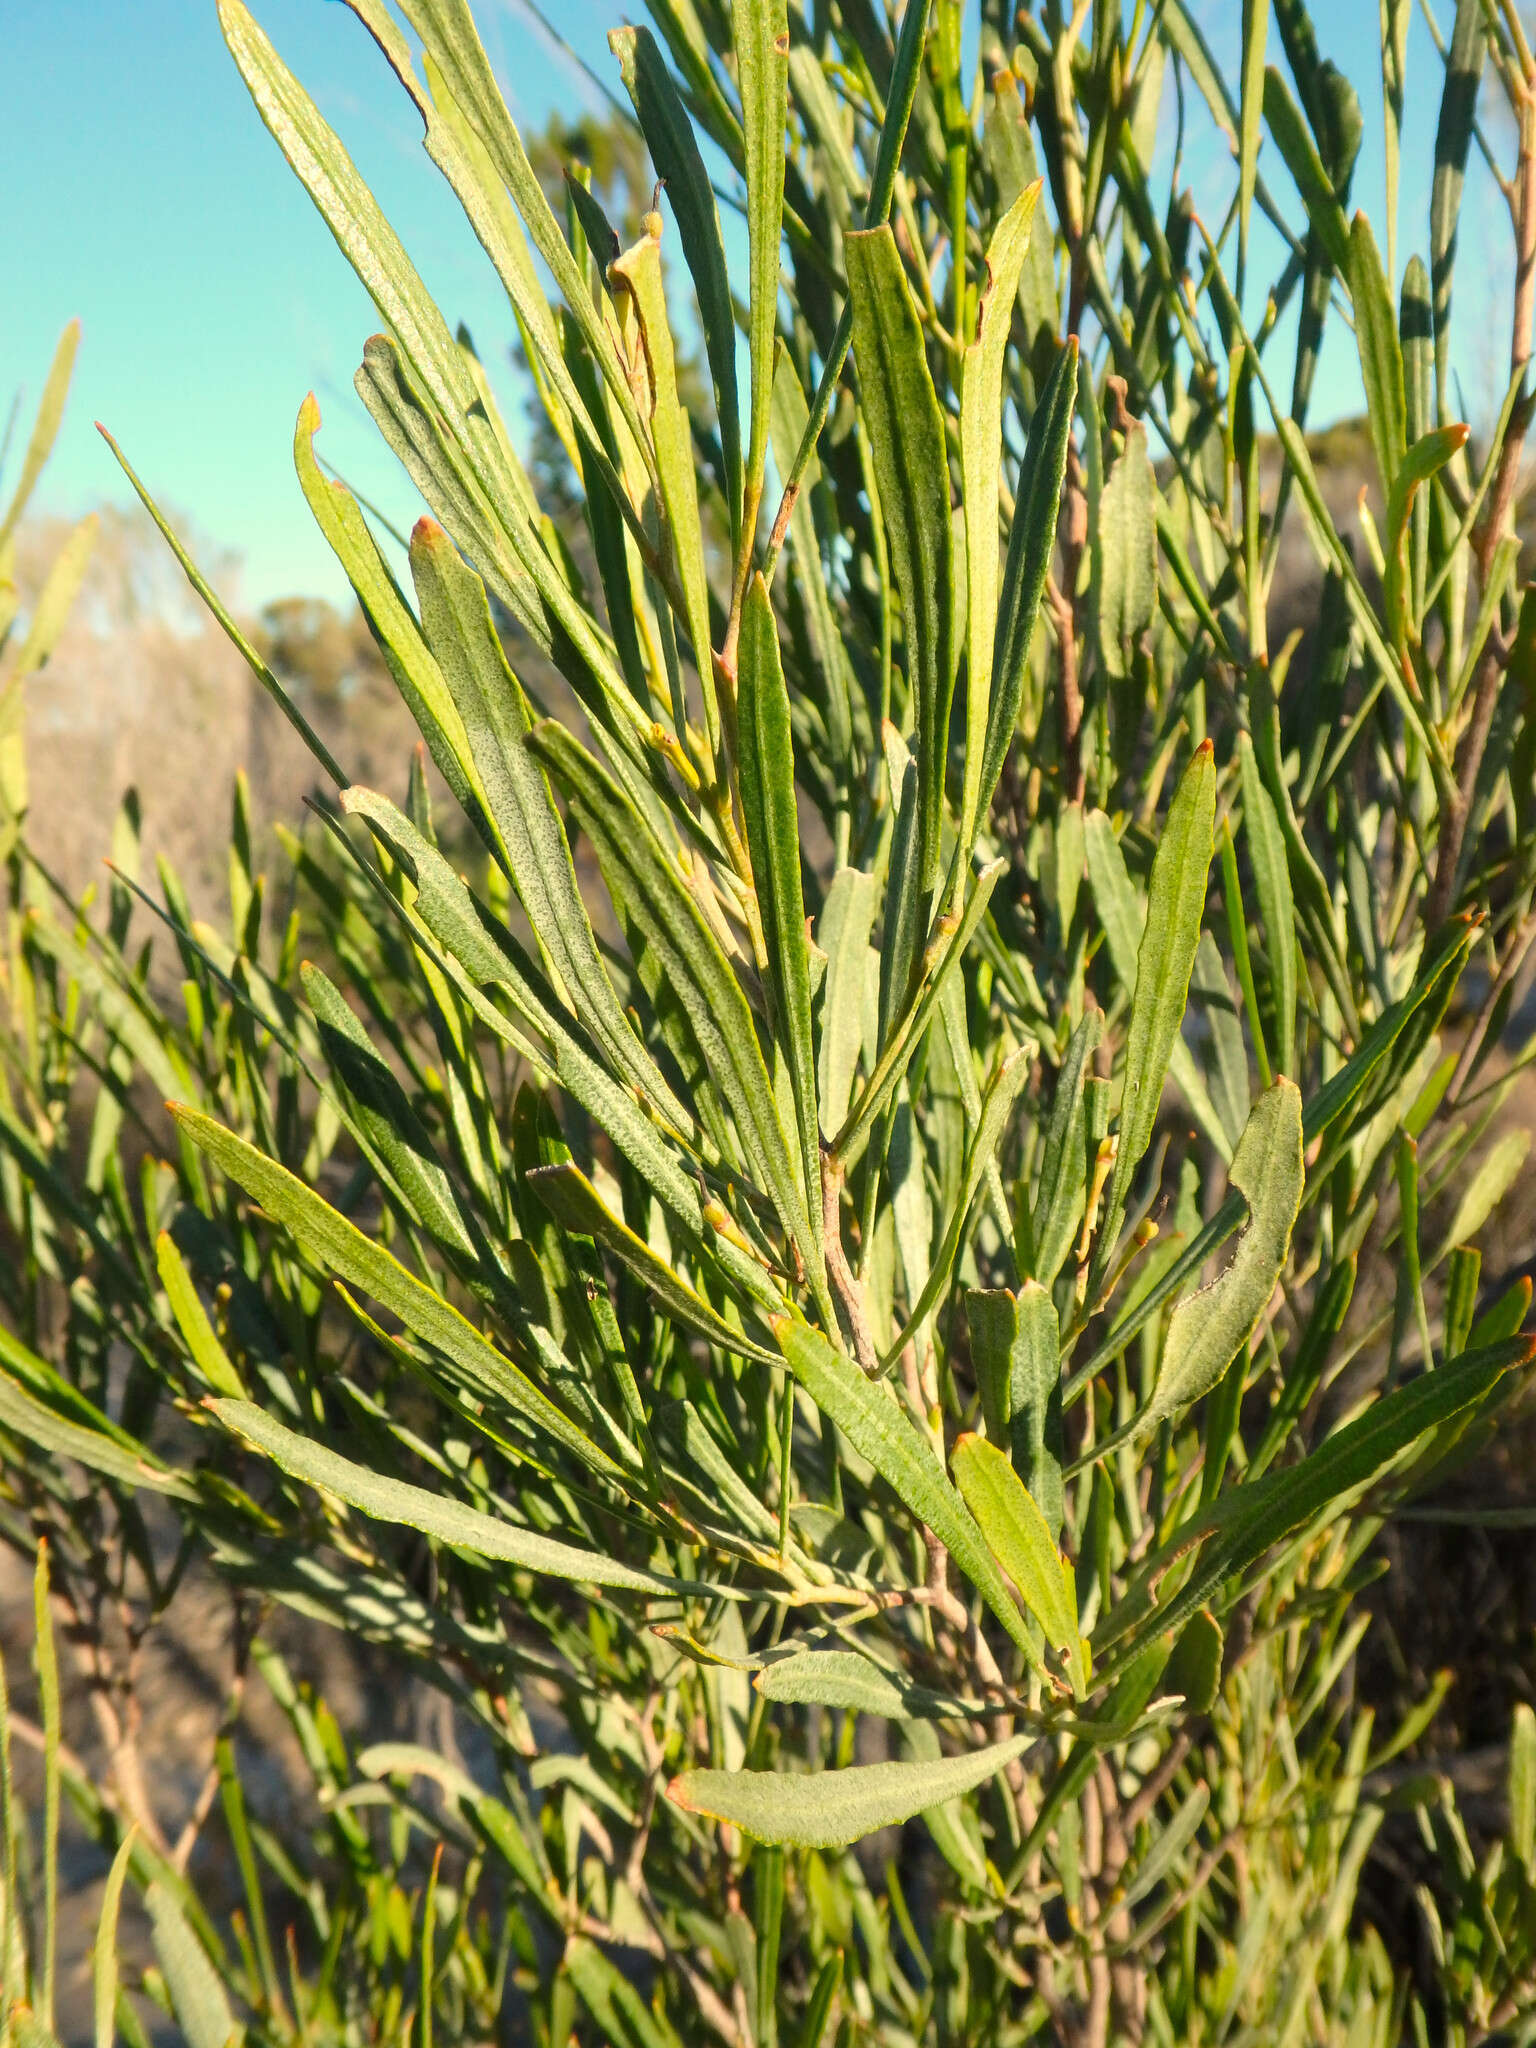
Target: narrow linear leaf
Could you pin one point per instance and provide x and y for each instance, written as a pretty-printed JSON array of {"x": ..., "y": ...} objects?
[
  {"x": 981, "y": 455},
  {"x": 867, "y": 1413},
  {"x": 413, "y": 1507},
  {"x": 1164, "y": 963},
  {"x": 344, "y": 1248},
  {"x": 209, "y": 1355},
  {"x": 104, "y": 1971},
  {"x": 766, "y": 768},
  {"x": 1250, "y": 1520},
  {"x": 669, "y": 136},
  {"x": 1016, "y": 1355},
  {"x": 571, "y": 1197},
  {"x": 760, "y": 33},
  {"x": 1208, "y": 1328},
  {"x": 698, "y": 971},
  {"x": 1021, "y": 1541},
  {"x": 906, "y": 434}
]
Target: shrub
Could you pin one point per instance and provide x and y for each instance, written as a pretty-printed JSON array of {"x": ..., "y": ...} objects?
[{"x": 712, "y": 1278}]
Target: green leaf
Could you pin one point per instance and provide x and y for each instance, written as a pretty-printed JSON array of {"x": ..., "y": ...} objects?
[
  {"x": 104, "y": 1957},
  {"x": 1003, "y": 1085},
  {"x": 829, "y": 1809},
  {"x": 571, "y": 1197},
  {"x": 95, "y": 1442},
  {"x": 208, "y": 1354},
  {"x": 868, "y": 1414},
  {"x": 346, "y": 1250},
  {"x": 906, "y": 435},
  {"x": 1031, "y": 541},
  {"x": 1194, "y": 1669},
  {"x": 844, "y": 1678},
  {"x": 760, "y": 34},
  {"x": 1164, "y": 963},
  {"x": 843, "y": 934},
  {"x": 765, "y": 763},
  {"x": 670, "y": 138},
  {"x": 381, "y": 1117},
  {"x": 1170, "y": 1844},
  {"x": 395, "y": 631},
  {"x": 951, "y": 937},
  {"x": 1059, "y": 1192},
  {"x": 1497, "y": 1172},
  {"x": 461, "y": 634},
  {"x": 1248, "y": 1521},
  {"x": 1453, "y": 140},
  {"x": 1272, "y": 879},
  {"x": 434, "y": 1514},
  {"x": 447, "y": 32},
  {"x": 639, "y": 269},
  {"x": 1208, "y": 1328},
  {"x": 1522, "y": 1787},
  {"x": 1380, "y": 351},
  {"x": 981, "y": 456},
  {"x": 198, "y": 1997},
  {"x": 1021, "y": 1541},
  {"x": 45, "y": 427},
  {"x": 1427, "y": 456},
  {"x": 1016, "y": 1356},
  {"x": 1124, "y": 921},
  {"x": 1298, "y": 149},
  {"x": 1125, "y": 554},
  {"x": 699, "y": 974},
  {"x": 479, "y": 955},
  {"x": 1255, "y": 32}
]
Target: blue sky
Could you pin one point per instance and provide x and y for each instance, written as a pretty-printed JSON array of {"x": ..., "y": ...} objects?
[{"x": 142, "y": 192}]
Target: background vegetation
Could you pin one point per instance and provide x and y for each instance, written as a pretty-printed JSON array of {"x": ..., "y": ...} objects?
[{"x": 855, "y": 1215}]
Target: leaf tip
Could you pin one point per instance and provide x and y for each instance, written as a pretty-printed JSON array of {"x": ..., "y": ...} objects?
[{"x": 677, "y": 1792}]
